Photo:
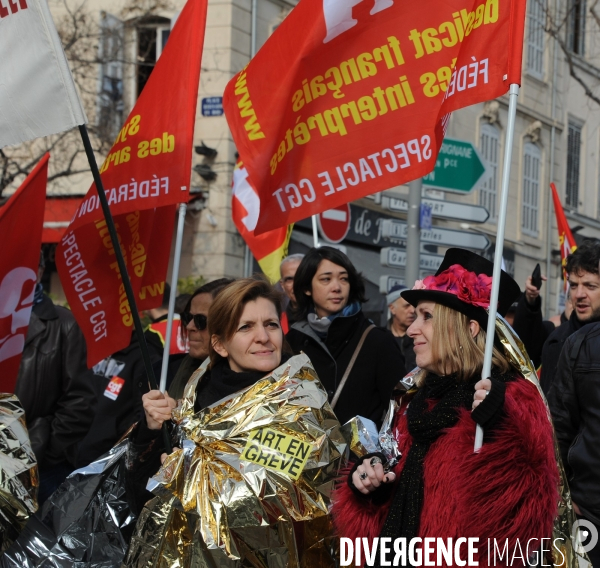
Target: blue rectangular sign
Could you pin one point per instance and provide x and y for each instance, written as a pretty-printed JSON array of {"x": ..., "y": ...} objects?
[{"x": 212, "y": 106}]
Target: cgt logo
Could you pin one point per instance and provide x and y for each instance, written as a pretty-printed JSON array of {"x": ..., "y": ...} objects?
[
  {"x": 16, "y": 302},
  {"x": 338, "y": 15}
]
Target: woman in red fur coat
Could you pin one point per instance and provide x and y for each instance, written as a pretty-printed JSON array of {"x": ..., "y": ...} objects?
[{"x": 441, "y": 488}]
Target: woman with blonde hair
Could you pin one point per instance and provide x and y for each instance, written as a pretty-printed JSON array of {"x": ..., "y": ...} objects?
[{"x": 440, "y": 487}]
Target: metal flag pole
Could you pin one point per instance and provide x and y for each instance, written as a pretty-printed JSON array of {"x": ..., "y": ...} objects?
[
  {"x": 122, "y": 269},
  {"x": 315, "y": 234},
  {"x": 513, "y": 93},
  {"x": 171, "y": 313}
]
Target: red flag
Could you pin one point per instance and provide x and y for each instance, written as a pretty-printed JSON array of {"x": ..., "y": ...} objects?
[
  {"x": 350, "y": 97},
  {"x": 271, "y": 247},
  {"x": 565, "y": 237},
  {"x": 21, "y": 221},
  {"x": 145, "y": 175}
]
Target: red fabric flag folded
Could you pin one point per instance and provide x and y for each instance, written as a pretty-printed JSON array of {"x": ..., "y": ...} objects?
[
  {"x": 145, "y": 175},
  {"x": 271, "y": 247},
  {"x": 21, "y": 222},
  {"x": 349, "y": 97},
  {"x": 565, "y": 237}
]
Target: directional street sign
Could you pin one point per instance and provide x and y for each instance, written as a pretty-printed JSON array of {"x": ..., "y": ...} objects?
[
  {"x": 445, "y": 237},
  {"x": 442, "y": 209},
  {"x": 396, "y": 258},
  {"x": 458, "y": 167}
]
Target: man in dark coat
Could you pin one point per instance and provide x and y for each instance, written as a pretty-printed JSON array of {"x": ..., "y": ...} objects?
[
  {"x": 119, "y": 382},
  {"x": 574, "y": 400},
  {"x": 584, "y": 287},
  {"x": 55, "y": 389}
]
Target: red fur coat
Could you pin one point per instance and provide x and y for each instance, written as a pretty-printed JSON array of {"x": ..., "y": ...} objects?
[{"x": 508, "y": 490}]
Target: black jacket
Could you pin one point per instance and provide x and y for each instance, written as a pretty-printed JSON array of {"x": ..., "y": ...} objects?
[
  {"x": 552, "y": 349},
  {"x": 574, "y": 401},
  {"x": 119, "y": 382},
  {"x": 54, "y": 384},
  {"x": 378, "y": 367},
  {"x": 531, "y": 328}
]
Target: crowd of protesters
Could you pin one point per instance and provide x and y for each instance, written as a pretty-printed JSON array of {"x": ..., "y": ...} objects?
[{"x": 74, "y": 415}]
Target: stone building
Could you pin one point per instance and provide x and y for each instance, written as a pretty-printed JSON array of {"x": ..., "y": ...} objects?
[{"x": 557, "y": 135}]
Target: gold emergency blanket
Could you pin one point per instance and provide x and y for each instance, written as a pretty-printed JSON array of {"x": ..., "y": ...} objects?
[
  {"x": 251, "y": 482},
  {"x": 515, "y": 352},
  {"x": 18, "y": 471}
]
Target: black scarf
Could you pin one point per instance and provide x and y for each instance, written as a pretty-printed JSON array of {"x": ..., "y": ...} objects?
[
  {"x": 425, "y": 427},
  {"x": 220, "y": 381}
]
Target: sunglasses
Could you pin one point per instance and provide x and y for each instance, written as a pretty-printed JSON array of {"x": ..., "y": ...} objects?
[{"x": 200, "y": 321}]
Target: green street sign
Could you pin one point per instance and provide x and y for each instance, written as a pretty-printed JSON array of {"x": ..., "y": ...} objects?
[{"x": 459, "y": 167}]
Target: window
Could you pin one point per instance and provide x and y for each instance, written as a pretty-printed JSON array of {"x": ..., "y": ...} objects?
[
  {"x": 576, "y": 26},
  {"x": 152, "y": 35},
  {"x": 531, "y": 189},
  {"x": 573, "y": 161},
  {"x": 109, "y": 118},
  {"x": 489, "y": 142},
  {"x": 535, "y": 38}
]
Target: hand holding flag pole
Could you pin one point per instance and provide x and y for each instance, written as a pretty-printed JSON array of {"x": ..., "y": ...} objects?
[{"x": 513, "y": 93}]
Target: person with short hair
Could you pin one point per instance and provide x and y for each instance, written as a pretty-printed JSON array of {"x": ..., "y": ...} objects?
[
  {"x": 440, "y": 488},
  {"x": 287, "y": 269},
  {"x": 402, "y": 314},
  {"x": 245, "y": 344},
  {"x": 332, "y": 328},
  {"x": 584, "y": 289}
]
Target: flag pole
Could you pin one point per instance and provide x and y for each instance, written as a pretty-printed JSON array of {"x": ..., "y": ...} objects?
[
  {"x": 174, "y": 278},
  {"x": 315, "y": 233},
  {"x": 122, "y": 268},
  {"x": 513, "y": 94}
]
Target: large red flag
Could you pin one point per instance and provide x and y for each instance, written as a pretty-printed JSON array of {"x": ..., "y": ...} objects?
[
  {"x": 565, "y": 237},
  {"x": 145, "y": 175},
  {"x": 270, "y": 248},
  {"x": 21, "y": 222},
  {"x": 350, "y": 97}
]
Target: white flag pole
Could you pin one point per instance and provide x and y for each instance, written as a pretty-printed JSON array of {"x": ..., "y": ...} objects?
[
  {"x": 174, "y": 278},
  {"x": 513, "y": 93},
  {"x": 315, "y": 233}
]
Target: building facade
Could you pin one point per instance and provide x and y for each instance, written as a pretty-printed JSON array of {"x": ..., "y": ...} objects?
[{"x": 557, "y": 135}]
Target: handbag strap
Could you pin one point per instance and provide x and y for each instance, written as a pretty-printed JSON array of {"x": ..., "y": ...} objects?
[{"x": 338, "y": 392}]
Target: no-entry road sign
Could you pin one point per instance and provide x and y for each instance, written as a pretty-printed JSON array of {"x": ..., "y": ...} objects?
[{"x": 335, "y": 223}]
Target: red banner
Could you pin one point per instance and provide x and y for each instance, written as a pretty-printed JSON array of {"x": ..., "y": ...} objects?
[
  {"x": 21, "y": 221},
  {"x": 348, "y": 98},
  {"x": 92, "y": 282},
  {"x": 145, "y": 175},
  {"x": 270, "y": 248},
  {"x": 149, "y": 164},
  {"x": 565, "y": 237}
]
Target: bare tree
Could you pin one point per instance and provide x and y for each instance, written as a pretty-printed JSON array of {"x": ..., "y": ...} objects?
[
  {"x": 568, "y": 27},
  {"x": 88, "y": 46}
]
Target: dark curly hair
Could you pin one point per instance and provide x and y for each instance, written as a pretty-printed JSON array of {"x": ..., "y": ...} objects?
[{"x": 586, "y": 258}]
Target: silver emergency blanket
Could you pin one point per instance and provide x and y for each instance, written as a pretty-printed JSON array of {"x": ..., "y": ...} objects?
[
  {"x": 84, "y": 523},
  {"x": 18, "y": 471}
]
